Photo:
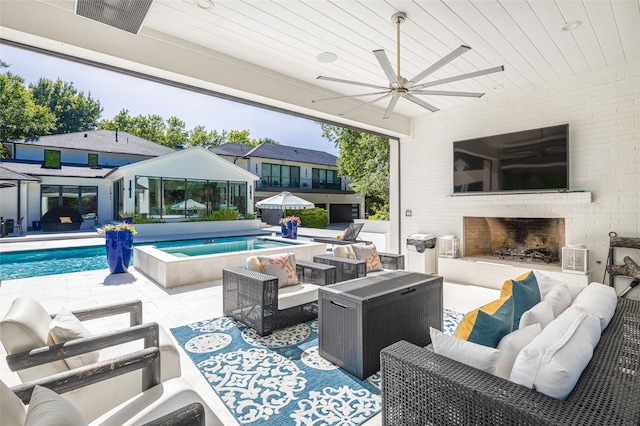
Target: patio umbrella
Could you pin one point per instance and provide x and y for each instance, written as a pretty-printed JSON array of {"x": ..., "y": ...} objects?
[
  {"x": 284, "y": 200},
  {"x": 189, "y": 204}
]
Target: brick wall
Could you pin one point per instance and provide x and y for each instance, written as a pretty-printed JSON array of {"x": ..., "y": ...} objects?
[{"x": 602, "y": 109}]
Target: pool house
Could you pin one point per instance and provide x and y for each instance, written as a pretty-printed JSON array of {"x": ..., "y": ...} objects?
[{"x": 102, "y": 173}]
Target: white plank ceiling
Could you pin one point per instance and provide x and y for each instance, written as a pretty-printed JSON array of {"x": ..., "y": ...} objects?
[{"x": 525, "y": 36}]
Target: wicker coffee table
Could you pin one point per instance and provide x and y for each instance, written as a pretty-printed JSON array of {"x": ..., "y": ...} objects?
[{"x": 360, "y": 317}]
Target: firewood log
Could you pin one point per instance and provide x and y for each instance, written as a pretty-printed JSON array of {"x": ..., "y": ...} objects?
[
  {"x": 624, "y": 242},
  {"x": 629, "y": 269}
]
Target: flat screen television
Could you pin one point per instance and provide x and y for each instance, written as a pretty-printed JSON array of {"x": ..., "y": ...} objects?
[{"x": 534, "y": 160}]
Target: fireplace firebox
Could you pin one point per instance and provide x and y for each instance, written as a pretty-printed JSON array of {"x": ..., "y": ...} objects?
[{"x": 515, "y": 239}]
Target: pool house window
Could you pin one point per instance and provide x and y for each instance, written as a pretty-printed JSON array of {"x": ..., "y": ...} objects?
[
  {"x": 279, "y": 175},
  {"x": 170, "y": 198},
  {"x": 82, "y": 198}
]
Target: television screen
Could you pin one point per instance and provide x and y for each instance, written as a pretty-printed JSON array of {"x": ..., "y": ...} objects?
[{"x": 530, "y": 160}]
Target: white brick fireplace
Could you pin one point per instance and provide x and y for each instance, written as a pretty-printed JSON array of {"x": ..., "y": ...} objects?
[{"x": 601, "y": 108}]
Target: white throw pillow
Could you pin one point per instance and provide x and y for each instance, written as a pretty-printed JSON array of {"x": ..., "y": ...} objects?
[
  {"x": 546, "y": 283},
  {"x": 511, "y": 345},
  {"x": 478, "y": 356},
  {"x": 342, "y": 252},
  {"x": 553, "y": 362},
  {"x": 600, "y": 300},
  {"x": 559, "y": 297},
  {"x": 47, "y": 408},
  {"x": 65, "y": 327},
  {"x": 541, "y": 313}
]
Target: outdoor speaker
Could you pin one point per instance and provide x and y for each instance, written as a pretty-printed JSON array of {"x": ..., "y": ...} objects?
[{"x": 575, "y": 259}]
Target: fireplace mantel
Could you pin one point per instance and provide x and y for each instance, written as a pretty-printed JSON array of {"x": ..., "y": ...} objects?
[{"x": 521, "y": 198}]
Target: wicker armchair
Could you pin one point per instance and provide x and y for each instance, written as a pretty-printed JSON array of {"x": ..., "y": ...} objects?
[
  {"x": 348, "y": 269},
  {"x": 255, "y": 300},
  {"x": 421, "y": 387}
]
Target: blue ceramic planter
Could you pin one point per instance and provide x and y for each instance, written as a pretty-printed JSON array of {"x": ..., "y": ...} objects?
[
  {"x": 289, "y": 230},
  {"x": 119, "y": 250}
]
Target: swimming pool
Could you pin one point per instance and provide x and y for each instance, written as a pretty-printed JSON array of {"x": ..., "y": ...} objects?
[{"x": 37, "y": 263}]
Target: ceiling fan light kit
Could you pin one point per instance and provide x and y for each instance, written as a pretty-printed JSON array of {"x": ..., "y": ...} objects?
[{"x": 409, "y": 89}]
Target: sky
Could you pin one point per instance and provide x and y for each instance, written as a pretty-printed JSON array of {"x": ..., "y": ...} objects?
[{"x": 117, "y": 91}]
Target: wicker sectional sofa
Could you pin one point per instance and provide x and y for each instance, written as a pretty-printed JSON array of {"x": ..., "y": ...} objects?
[{"x": 420, "y": 387}]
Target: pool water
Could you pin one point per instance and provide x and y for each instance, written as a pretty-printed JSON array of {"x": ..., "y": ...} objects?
[{"x": 38, "y": 263}]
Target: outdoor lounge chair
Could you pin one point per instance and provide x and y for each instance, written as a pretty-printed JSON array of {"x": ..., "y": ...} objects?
[
  {"x": 25, "y": 331},
  {"x": 349, "y": 236},
  {"x": 255, "y": 300},
  {"x": 348, "y": 269},
  {"x": 61, "y": 219},
  {"x": 173, "y": 402}
]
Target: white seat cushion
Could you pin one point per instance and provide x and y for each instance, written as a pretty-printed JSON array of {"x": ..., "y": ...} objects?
[
  {"x": 600, "y": 300},
  {"x": 296, "y": 295},
  {"x": 155, "y": 402},
  {"x": 47, "y": 408},
  {"x": 511, "y": 345},
  {"x": 553, "y": 362}
]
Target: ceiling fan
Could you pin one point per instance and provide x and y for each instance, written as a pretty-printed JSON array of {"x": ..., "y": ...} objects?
[{"x": 400, "y": 87}]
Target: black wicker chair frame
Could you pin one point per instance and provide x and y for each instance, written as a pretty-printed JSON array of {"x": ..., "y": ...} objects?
[
  {"x": 423, "y": 388},
  {"x": 252, "y": 298},
  {"x": 348, "y": 269},
  {"x": 50, "y": 221}
]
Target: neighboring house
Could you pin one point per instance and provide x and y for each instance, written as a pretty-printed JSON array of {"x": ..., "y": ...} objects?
[
  {"x": 103, "y": 172},
  {"x": 307, "y": 173}
]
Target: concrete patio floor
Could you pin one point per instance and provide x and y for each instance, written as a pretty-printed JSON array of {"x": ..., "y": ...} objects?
[{"x": 168, "y": 307}]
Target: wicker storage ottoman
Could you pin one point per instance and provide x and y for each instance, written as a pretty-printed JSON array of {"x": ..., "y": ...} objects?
[{"x": 357, "y": 318}]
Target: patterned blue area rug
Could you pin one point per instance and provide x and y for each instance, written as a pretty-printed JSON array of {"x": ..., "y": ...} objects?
[{"x": 280, "y": 379}]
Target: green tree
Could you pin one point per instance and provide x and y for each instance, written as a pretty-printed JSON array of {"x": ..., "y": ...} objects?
[
  {"x": 363, "y": 158},
  {"x": 241, "y": 137},
  {"x": 20, "y": 116},
  {"x": 74, "y": 111},
  {"x": 150, "y": 127},
  {"x": 268, "y": 140},
  {"x": 176, "y": 134}
]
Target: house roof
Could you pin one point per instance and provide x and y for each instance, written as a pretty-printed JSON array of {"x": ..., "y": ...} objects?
[
  {"x": 199, "y": 163},
  {"x": 36, "y": 169},
  {"x": 8, "y": 174},
  {"x": 111, "y": 141},
  {"x": 277, "y": 152}
]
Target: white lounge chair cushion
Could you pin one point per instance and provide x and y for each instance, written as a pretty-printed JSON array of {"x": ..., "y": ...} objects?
[
  {"x": 600, "y": 300},
  {"x": 26, "y": 327},
  {"x": 297, "y": 295},
  {"x": 155, "y": 402},
  {"x": 66, "y": 327},
  {"x": 47, "y": 408},
  {"x": 472, "y": 354},
  {"x": 12, "y": 411}
]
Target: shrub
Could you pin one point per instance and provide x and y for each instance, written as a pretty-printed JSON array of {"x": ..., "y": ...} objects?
[
  {"x": 249, "y": 216},
  {"x": 139, "y": 219},
  {"x": 225, "y": 214},
  {"x": 311, "y": 218}
]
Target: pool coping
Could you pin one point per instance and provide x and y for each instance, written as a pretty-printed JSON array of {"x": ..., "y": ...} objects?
[{"x": 170, "y": 271}]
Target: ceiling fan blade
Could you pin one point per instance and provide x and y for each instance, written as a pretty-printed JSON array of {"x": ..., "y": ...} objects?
[
  {"x": 383, "y": 60},
  {"x": 392, "y": 105},
  {"x": 447, "y": 93},
  {"x": 364, "y": 104},
  {"x": 442, "y": 62},
  {"x": 422, "y": 103},
  {"x": 460, "y": 77},
  {"x": 357, "y": 83},
  {"x": 350, "y": 96}
]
